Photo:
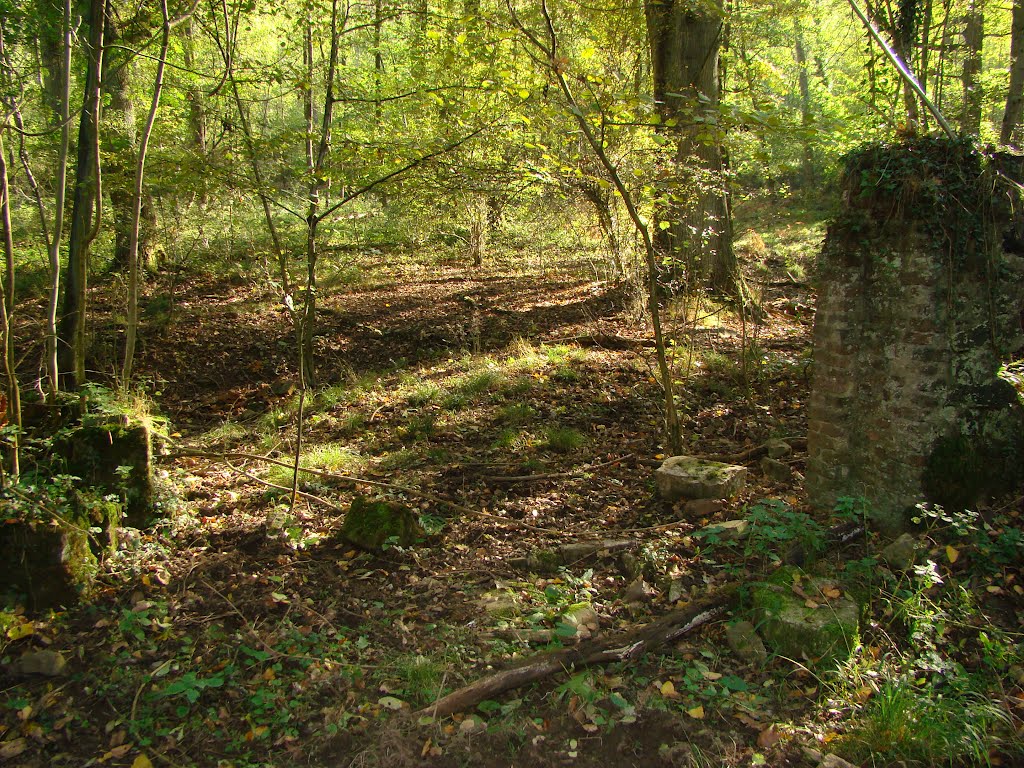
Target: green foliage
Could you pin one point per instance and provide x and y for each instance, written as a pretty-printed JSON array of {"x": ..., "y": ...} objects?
[
  {"x": 563, "y": 439},
  {"x": 775, "y": 528}
]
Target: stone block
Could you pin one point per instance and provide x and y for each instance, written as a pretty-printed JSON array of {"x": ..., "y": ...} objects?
[
  {"x": 370, "y": 525},
  {"x": 806, "y": 619},
  {"x": 690, "y": 477}
]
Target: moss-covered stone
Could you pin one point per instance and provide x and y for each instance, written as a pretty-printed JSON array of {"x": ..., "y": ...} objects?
[
  {"x": 51, "y": 564},
  {"x": 544, "y": 561},
  {"x": 115, "y": 455},
  {"x": 810, "y": 626},
  {"x": 690, "y": 477},
  {"x": 371, "y": 524}
]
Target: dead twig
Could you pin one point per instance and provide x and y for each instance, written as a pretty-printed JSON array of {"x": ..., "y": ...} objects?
[{"x": 552, "y": 475}]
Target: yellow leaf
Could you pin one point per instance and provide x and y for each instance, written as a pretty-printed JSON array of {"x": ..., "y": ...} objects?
[
  {"x": 810, "y": 604},
  {"x": 831, "y": 593},
  {"x": 697, "y": 713},
  {"x": 711, "y": 675},
  {"x": 952, "y": 553},
  {"x": 142, "y": 762},
  {"x": 19, "y": 631},
  {"x": 668, "y": 690}
]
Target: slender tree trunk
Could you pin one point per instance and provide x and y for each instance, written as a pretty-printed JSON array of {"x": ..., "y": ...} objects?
[
  {"x": 137, "y": 201},
  {"x": 227, "y": 53},
  {"x": 923, "y": 74},
  {"x": 974, "y": 34},
  {"x": 685, "y": 38},
  {"x": 673, "y": 430},
  {"x": 1008, "y": 133},
  {"x": 120, "y": 140},
  {"x": 317, "y": 160},
  {"x": 51, "y": 54},
  {"x": 194, "y": 96},
  {"x": 806, "y": 117},
  {"x": 11, "y": 413},
  {"x": 85, "y": 214}
]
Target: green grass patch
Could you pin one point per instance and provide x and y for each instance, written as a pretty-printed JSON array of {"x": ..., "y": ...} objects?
[
  {"x": 563, "y": 439},
  {"x": 329, "y": 457}
]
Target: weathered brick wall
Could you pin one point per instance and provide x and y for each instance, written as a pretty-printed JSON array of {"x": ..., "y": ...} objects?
[{"x": 919, "y": 303}]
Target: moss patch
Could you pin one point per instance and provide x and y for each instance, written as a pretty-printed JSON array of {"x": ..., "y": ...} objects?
[
  {"x": 372, "y": 524},
  {"x": 799, "y": 620}
]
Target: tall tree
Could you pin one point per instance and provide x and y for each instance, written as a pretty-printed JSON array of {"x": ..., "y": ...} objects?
[
  {"x": 685, "y": 39},
  {"x": 974, "y": 35},
  {"x": 1015, "y": 93},
  {"x": 86, "y": 209}
]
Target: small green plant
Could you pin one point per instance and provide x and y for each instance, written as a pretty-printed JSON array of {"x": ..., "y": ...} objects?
[
  {"x": 516, "y": 414},
  {"x": 418, "y": 427},
  {"x": 774, "y": 526},
  {"x": 329, "y": 457},
  {"x": 919, "y": 724},
  {"x": 563, "y": 439},
  {"x": 424, "y": 394}
]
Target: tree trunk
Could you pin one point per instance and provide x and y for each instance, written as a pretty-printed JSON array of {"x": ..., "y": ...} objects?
[
  {"x": 84, "y": 225},
  {"x": 806, "y": 117},
  {"x": 685, "y": 39},
  {"x": 974, "y": 33},
  {"x": 136, "y": 228},
  {"x": 119, "y": 141},
  {"x": 51, "y": 55},
  {"x": 1008, "y": 133},
  {"x": 196, "y": 102},
  {"x": 11, "y": 412}
]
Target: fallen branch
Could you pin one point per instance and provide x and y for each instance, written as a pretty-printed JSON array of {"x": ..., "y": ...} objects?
[
  {"x": 552, "y": 475},
  {"x": 624, "y": 647},
  {"x": 797, "y": 443},
  {"x": 228, "y": 455}
]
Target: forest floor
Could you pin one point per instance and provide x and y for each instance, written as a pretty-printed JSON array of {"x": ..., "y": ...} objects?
[{"x": 245, "y": 632}]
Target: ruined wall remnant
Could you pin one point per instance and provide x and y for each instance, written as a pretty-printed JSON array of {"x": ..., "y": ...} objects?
[{"x": 921, "y": 299}]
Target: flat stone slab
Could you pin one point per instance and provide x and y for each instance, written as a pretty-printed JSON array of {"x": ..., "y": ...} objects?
[{"x": 690, "y": 477}]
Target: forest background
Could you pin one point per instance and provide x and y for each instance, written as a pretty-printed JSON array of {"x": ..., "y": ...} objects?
[{"x": 482, "y": 257}]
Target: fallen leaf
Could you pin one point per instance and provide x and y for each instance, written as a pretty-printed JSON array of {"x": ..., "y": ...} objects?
[
  {"x": 951, "y": 553},
  {"x": 697, "y": 713},
  {"x": 831, "y": 593},
  {"x": 142, "y": 762},
  {"x": 12, "y": 748},
  {"x": 811, "y": 604},
  {"x": 426, "y": 747},
  {"x": 116, "y": 753},
  {"x": 19, "y": 631},
  {"x": 390, "y": 702},
  {"x": 769, "y": 737},
  {"x": 747, "y": 720},
  {"x": 668, "y": 690}
]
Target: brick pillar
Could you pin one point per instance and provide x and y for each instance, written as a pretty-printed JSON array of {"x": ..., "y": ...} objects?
[{"x": 919, "y": 303}]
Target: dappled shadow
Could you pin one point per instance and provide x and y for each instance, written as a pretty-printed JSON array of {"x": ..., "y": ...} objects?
[{"x": 231, "y": 349}]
